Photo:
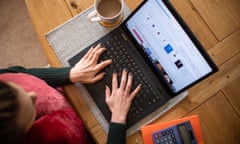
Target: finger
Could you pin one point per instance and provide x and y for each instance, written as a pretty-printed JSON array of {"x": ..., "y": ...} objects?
[
  {"x": 129, "y": 83},
  {"x": 98, "y": 77},
  {"x": 97, "y": 47},
  {"x": 123, "y": 79},
  {"x": 103, "y": 64},
  {"x": 136, "y": 90},
  {"x": 88, "y": 53},
  {"x": 98, "y": 53},
  {"x": 114, "y": 82},
  {"x": 93, "y": 51},
  {"x": 107, "y": 92}
]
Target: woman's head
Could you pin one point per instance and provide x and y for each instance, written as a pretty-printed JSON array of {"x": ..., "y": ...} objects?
[{"x": 17, "y": 112}]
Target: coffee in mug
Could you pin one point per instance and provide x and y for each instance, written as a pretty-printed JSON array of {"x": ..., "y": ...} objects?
[{"x": 108, "y": 13}]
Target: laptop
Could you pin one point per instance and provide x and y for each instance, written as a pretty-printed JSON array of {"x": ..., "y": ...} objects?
[{"x": 159, "y": 49}]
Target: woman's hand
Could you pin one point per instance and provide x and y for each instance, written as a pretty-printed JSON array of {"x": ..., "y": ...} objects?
[
  {"x": 120, "y": 99},
  {"x": 87, "y": 69}
]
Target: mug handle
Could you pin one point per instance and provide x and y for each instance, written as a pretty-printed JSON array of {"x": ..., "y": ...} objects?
[{"x": 92, "y": 16}]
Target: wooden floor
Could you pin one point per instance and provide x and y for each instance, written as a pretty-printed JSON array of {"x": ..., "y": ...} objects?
[{"x": 216, "y": 23}]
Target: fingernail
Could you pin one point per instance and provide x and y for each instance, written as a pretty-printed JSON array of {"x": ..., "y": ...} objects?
[
  {"x": 114, "y": 70},
  {"x": 125, "y": 69}
]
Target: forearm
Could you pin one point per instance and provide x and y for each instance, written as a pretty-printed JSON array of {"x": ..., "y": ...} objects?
[
  {"x": 53, "y": 76},
  {"x": 116, "y": 133}
]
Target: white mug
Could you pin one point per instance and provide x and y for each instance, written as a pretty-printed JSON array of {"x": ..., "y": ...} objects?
[{"x": 107, "y": 12}]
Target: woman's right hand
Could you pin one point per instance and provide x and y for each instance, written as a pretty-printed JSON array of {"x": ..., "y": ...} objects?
[{"x": 120, "y": 98}]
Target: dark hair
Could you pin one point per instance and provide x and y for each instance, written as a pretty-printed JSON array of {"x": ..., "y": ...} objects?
[{"x": 10, "y": 132}]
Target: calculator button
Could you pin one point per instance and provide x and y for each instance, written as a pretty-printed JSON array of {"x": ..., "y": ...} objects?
[{"x": 164, "y": 133}]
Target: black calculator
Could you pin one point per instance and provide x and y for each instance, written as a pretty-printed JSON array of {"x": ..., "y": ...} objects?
[{"x": 178, "y": 134}]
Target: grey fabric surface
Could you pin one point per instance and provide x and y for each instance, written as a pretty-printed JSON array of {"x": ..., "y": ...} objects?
[{"x": 76, "y": 34}]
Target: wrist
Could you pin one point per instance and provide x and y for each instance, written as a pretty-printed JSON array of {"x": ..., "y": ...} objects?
[
  {"x": 118, "y": 119},
  {"x": 73, "y": 76}
]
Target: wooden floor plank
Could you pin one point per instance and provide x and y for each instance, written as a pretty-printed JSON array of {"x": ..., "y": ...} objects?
[
  {"x": 77, "y": 6},
  {"x": 226, "y": 49},
  {"x": 220, "y": 123},
  {"x": 222, "y": 16},
  {"x": 57, "y": 10},
  {"x": 195, "y": 22},
  {"x": 132, "y": 4},
  {"x": 233, "y": 94}
]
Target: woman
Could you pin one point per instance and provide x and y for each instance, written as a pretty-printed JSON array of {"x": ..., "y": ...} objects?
[{"x": 17, "y": 106}]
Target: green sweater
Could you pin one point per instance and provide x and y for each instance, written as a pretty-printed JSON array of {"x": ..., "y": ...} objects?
[{"x": 59, "y": 77}]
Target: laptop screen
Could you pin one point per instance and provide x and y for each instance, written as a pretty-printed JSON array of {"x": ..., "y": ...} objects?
[{"x": 167, "y": 45}]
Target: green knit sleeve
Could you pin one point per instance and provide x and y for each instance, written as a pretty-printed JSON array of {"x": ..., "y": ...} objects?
[
  {"x": 116, "y": 134},
  {"x": 53, "y": 76}
]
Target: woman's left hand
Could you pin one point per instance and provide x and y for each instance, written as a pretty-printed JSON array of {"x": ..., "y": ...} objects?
[{"x": 87, "y": 69}]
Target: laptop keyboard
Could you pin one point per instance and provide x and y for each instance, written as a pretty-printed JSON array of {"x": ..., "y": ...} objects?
[
  {"x": 121, "y": 59},
  {"x": 150, "y": 96}
]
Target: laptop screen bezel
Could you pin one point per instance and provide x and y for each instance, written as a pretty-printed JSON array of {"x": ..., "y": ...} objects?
[{"x": 190, "y": 35}]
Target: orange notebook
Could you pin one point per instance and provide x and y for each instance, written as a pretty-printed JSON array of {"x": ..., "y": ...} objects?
[{"x": 149, "y": 129}]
